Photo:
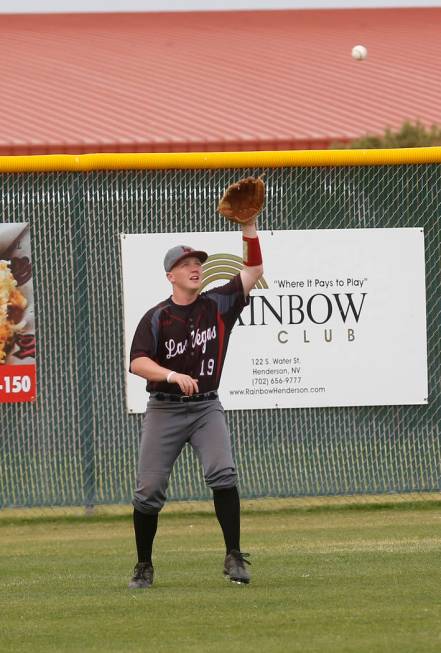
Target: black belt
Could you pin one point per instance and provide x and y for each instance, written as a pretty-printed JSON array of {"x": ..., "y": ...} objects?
[{"x": 162, "y": 396}]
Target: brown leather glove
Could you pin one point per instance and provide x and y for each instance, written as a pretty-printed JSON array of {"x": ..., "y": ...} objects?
[{"x": 243, "y": 200}]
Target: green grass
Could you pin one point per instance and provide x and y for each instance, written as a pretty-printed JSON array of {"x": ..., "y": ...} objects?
[{"x": 358, "y": 581}]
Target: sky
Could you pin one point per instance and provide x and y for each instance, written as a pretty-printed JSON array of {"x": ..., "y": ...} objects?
[{"x": 63, "y": 6}]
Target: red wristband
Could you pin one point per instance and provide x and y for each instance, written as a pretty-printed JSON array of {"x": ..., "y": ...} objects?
[{"x": 252, "y": 255}]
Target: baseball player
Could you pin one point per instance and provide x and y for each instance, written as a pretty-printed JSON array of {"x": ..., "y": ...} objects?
[{"x": 179, "y": 347}]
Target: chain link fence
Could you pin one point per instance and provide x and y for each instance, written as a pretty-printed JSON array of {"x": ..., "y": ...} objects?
[{"x": 77, "y": 445}]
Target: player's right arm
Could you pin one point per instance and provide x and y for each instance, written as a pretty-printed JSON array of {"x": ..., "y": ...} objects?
[
  {"x": 150, "y": 370},
  {"x": 144, "y": 345}
]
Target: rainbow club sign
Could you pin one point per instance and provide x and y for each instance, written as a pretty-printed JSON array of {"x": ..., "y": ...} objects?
[{"x": 338, "y": 319}]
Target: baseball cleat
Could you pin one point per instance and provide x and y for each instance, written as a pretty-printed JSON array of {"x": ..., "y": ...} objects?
[
  {"x": 234, "y": 567},
  {"x": 142, "y": 576}
]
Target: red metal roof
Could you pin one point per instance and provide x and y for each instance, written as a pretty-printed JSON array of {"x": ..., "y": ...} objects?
[{"x": 198, "y": 81}]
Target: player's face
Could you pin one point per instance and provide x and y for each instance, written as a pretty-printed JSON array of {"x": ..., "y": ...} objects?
[{"x": 187, "y": 274}]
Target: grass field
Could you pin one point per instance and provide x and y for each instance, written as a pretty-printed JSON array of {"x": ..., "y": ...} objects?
[{"x": 358, "y": 581}]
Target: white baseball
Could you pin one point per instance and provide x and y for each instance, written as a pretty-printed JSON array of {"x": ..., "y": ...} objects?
[{"x": 359, "y": 52}]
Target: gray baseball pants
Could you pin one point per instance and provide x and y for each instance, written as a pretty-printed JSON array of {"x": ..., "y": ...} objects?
[{"x": 167, "y": 427}]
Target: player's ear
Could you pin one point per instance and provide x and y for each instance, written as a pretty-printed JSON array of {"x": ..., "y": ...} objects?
[{"x": 170, "y": 276}]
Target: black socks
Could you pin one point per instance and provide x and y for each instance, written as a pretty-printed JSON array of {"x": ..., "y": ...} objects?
[
  {"x": 145, "y": 531},
  {"x": 227, "y": 507}
]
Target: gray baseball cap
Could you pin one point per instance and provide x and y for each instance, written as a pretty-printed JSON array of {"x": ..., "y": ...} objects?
[{"x": 176, "y": 254}]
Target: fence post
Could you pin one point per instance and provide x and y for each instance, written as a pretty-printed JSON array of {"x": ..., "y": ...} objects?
[{"x": 83, "y": 337}]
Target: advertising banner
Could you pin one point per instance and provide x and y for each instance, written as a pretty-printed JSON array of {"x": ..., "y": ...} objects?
[
  {"x": 338, "y": 319},
  {"x": 17, "y": 325}
]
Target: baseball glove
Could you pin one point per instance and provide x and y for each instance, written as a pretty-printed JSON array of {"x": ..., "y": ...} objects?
[{"x": 243, "y": 200}]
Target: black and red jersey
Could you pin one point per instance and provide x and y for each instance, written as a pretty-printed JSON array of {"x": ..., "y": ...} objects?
[{"x": 190, "y": 339}]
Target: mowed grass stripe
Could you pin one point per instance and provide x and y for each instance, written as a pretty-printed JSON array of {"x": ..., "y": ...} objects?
[{"x": 359, "y": 582}]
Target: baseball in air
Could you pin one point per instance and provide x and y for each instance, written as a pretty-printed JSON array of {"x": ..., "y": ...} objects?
[{"x": 359, "y": 52}]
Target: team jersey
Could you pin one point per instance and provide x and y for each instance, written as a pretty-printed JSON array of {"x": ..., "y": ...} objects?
[{"x": 190, "y": 339}]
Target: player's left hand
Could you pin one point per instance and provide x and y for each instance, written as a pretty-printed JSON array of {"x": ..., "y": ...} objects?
[{"x": 243, "y": 201}]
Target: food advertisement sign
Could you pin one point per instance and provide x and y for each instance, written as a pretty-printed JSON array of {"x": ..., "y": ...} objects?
[{"x": 17, "y": 324}]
